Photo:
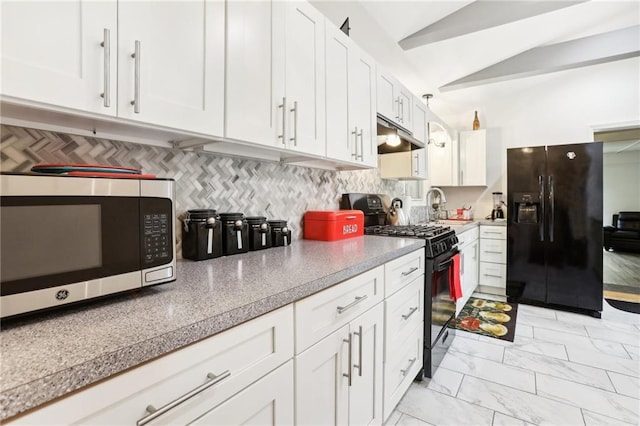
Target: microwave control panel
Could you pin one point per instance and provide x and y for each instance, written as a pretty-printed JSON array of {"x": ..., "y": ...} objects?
[{"x": 157, "y": 239}]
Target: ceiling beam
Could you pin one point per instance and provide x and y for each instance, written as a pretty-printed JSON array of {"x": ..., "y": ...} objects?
[
  {"x": 480, "y": 15},
  {"x": 592, "y": 50}
]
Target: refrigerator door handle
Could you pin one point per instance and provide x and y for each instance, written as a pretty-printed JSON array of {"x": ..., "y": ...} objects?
[
  {"x": 541, "y": 218},
  {"x": 552, "y": 207}
]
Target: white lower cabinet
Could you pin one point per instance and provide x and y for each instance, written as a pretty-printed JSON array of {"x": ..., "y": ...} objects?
[
  {"x": 339, "y": 379},
  {"x": 468, "y": 244},
  {"x": 339, "y": 342},
  {"x": 269, "y": 401},
  {"x": 356, "y": 354},
  {"x": 493, "y": 259},
  {"x": 229, "y": 362},
  {"x": 404, "y": 322}
]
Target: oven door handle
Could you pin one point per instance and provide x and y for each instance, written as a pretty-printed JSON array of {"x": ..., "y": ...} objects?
[{"x": 444, "y": 265}]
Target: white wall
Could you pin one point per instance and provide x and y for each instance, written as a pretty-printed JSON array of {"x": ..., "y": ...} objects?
[
  {"x": 552, "y": 109},
  {"x": 621, "y": 183}
]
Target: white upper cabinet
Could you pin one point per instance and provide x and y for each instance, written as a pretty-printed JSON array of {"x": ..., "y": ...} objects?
[
  {"x": 419, "y": 120},
  {"x": 394, "y": 101},
  {"x": 165, "y": 57},
  {"x": 362, "y": 105},
  {"x": 474, "y": 160},
  {"x": 443, "y": 164},
  {"x": 52, "y": 53},
  {"x": 350, "y": 93},
  {"x": 341, "y": 129},
  {"x": 171, "y": 64},
  {"x": 407, "y": 165},
  {"x": 254, "y": 109},
  {"x": 275, "y": 75},
  {"x": 304, "y": 78},
  {"x": 480, "y": 158}
]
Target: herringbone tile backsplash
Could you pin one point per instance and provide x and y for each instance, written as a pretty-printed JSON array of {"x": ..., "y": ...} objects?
[{"x": 203, "y": 180}]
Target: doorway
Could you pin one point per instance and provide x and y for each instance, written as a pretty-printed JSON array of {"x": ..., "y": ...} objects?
[{"x": 621, "y": 192}]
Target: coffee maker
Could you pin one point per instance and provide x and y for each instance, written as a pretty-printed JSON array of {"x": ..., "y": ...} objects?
[{"x": 498, "y": 202}]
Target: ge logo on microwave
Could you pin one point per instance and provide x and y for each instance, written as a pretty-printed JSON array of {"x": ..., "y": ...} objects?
[{"x": 62, "y": 294}]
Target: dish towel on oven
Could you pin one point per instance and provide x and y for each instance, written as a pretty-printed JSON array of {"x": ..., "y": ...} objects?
[{"x": 455, "y": 290}]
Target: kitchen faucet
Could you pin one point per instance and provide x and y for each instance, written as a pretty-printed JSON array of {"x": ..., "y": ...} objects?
[{"x": 443, "y": 200}]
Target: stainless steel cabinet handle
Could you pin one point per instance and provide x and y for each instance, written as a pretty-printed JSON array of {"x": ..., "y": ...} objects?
[
  {"x": 553, "y": 208},
  {"x": 406, "y": 370},
  {"x": 411, "y": 312},
  {"x": 284, "y": 113},
  {"x": 155, "y": 413},
  {"x": 355, "y": 140},
  {"x": 294, "y": 110},
  {"x": 410, "y": 271},
  {"x": 494, "y": 252},
  {"x": 348, "y": 374},
  {"x": 492, "y": 275},
  {"x": 361, "y": 144},
  {"x": 417, "y": 172},
  {"x": 398, "y": 109},
  {"x": 359, "y": 366},
  {"x": 359, "y": 299},
  {"x": 461, "y": 177},
  {"x": 106, "y": 44},
  {"x": 136, "y": 97},
  {"x": 493, "y": 232}
]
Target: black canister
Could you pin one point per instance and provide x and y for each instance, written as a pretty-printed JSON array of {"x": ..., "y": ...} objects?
[
  {"x": 280, "y": 233},
  {"x": 235, "y": 233},
  {"x": 259, "y": 233},
  {"x": 202, "y": 235}
]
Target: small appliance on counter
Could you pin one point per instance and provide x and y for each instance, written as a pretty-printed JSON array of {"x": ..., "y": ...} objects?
[
  {"x": 280, "y": 233},
  {"x": 68, "y": 239},
  {"x": 332, "y": 225},
  {"x": 396, "y": 215},
  {"x": 259, "y": 233},
  {"x": 371, "y": 206},
  {"x": 201, "y": 235},
  {"x": 235, "y": 233},
  {"x": 498, "y": 202}
]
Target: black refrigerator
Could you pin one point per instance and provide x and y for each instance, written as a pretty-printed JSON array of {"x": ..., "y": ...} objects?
[{"x": 554, "y": 226}]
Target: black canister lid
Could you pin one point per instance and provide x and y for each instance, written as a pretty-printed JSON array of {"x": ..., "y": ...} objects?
[
  {"x": 201, "y": 214},
  {"x": 254, "y": 220},
  {"x": 231, "y": 216},
  {"x": 277, "y": 222}
]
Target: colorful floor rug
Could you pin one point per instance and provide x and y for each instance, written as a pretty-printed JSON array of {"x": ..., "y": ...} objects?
[{"x": 488, "y": 318}]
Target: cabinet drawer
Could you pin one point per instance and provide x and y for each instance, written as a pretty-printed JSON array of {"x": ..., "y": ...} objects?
[
  {"x": 467, "y": 237},
  {"x": 269, "y": 401},
  {"x": 401, "y": 369},
  {"x": 403, "y": 313},
  {"x": 493, "y": 251},
  {"x": 493, "y": 232},
  {"x": 401, "y": 271},
  {"x": 321, "y": 314},
  {"x": 248, "y": 352},
  {"x": 493, "y": 274}
]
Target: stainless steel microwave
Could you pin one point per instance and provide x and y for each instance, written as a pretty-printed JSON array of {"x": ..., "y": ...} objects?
[{"x": 68, "y": 239}]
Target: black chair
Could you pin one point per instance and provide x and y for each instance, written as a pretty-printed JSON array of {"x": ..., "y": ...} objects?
[{"x": 624, "y": 235}]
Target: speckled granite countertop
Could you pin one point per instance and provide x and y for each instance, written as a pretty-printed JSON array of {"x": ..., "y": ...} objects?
[
  {"x": 460, "y": 227},
  {"x": 48, "y": 355}
]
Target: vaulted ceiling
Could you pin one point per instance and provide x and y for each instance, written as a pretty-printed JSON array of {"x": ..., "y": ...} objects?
[{"x": 453, "y": 45}]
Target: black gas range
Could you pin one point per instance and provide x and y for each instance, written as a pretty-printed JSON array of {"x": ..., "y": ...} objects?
[
  {"x": 439, "y": 308},
  {"x": 438, "y": 238}
]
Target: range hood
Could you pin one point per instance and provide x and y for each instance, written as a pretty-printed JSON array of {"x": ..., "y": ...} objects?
[{"x": 388, "y": 127}]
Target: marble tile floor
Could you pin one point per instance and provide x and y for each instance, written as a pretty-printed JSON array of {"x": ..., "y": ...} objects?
[{"x": 562, "y": 369}]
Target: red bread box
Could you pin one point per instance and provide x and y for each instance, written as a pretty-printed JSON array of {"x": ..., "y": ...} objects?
[{"x": 332, "y": 225}]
